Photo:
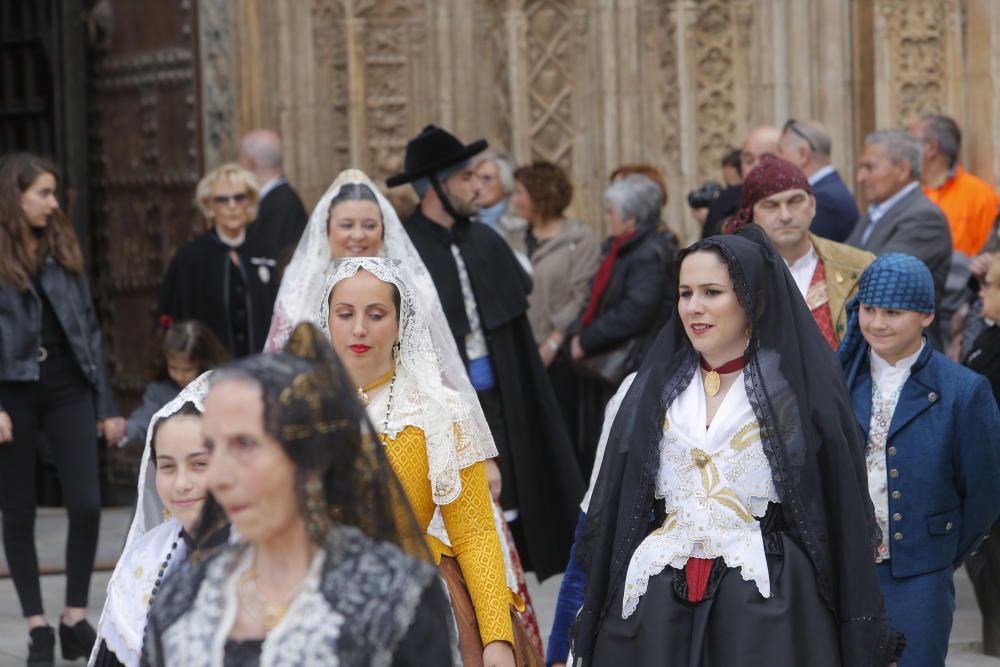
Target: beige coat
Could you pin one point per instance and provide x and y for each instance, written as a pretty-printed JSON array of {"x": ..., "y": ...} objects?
[
  {"x": 844, "y": 265},
  {"x": 563, "y": 267}
]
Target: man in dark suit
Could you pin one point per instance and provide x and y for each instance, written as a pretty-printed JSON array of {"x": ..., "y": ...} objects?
[
  {"x": 281, "y": 216},
  {"x": 900, "y": 217},
  {"x": 807, "y": 145}
]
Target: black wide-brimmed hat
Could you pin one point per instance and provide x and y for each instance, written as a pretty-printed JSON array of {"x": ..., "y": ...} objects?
[{"x": 431, "y": 151}]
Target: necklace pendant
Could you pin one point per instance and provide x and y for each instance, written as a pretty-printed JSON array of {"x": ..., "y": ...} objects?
[
  {"x": 363, "y": 397},
  {"x": 712, "y": 383}
]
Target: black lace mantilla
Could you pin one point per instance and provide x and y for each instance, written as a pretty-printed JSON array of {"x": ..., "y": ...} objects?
[{"x": 797, "y": 392}]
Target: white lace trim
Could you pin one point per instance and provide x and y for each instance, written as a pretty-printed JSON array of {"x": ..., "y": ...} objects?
[
  {"x": 119, "y": 618},
  {"x": 303, "y": 293},
  {"x": 123, "y": 620},
  {"x": 420, "y": 398},
  {"x": 713, "y": 483}
]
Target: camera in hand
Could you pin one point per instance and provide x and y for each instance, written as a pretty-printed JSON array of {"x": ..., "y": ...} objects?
[{"x": 705, "y": 195}]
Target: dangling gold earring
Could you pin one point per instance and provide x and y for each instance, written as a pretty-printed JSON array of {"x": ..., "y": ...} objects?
[
  {"x": 395, "y": 352},
  {"x": 166, "y": 514}
]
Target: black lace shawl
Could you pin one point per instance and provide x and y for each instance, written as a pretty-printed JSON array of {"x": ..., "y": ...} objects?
[
  {"x": 390, "y": 603},
  {"x": 809, "y": 435}
]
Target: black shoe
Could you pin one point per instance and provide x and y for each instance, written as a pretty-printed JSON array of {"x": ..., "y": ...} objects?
[
  {"x": 42, "y": 649},
  {"x": 77, "y": 641}
]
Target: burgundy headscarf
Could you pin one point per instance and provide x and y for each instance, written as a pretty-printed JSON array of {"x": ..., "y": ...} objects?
[{"x": 769, "y": 177}]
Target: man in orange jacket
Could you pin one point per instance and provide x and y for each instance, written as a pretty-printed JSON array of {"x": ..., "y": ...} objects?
[{"x": 969, "y": 203}]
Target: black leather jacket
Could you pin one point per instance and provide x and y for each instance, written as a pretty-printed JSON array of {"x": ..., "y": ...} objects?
[{"x": 21, "y": 325}]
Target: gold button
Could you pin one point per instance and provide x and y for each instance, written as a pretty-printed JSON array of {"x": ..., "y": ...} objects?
[
  {"x": 949, "y": 525},
  {"x": 892, "y": 451},
  {"x": 700, "y": 458},
  {"x": 897, "y": 517},
  {"x": 894, "y": 473},
  {"x": 896, "y": 495},
  {"x": 897, "y": 537}
]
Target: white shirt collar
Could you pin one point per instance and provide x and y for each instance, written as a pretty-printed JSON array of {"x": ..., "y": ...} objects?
[
  {"x": 803, "y": 268},
  {"x": 890, "y": 378},
  {"x": 877, "y": 211},
  {"x": 820, "y": 174},
  {"x": 270, "y": 185}
]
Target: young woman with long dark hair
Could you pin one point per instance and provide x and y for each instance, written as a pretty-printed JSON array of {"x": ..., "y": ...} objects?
[{"x": 52, "y": 381}]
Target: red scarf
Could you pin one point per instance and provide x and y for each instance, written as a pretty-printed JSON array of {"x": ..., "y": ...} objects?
[{"x": 603, "y": 277}]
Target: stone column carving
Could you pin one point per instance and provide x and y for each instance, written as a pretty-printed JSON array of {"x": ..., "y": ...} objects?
[{"x": 218, "y": 112}]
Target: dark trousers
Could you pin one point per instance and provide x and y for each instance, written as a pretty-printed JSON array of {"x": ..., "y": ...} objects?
[
  {"x": 984, "y": 571},
  {"x": 60, "y": 405}
]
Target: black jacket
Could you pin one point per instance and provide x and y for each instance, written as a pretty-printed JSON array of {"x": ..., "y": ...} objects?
[
  {"x": 21, "y": 328},
  {"x": 638, "y": 299},
  {"x": 281, "y": 219},
  {"x": 726, "y": 205},
  {"x": 536, "y": 454},
  {"x": 197, "y": 287}
]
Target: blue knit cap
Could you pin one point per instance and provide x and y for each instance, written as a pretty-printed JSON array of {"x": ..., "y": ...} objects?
[{"x": 895, "y": 280}]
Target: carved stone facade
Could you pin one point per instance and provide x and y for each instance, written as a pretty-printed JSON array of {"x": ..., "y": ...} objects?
[{"x": 591, "y": 84}]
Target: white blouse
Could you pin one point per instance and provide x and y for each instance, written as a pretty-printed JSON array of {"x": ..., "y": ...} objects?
[
  {"x": 887, "y": 383},
  {"x": 714, "y": 482}
]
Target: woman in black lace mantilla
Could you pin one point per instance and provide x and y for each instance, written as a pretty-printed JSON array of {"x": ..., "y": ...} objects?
[{"x": 745, "y": 537}]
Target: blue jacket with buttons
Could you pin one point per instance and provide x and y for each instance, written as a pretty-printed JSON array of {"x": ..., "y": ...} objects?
[{"x": 943, "y": 461}]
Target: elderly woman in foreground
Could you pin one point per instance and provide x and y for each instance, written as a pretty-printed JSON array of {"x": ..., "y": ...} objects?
[{"x": 332, "y": 569}]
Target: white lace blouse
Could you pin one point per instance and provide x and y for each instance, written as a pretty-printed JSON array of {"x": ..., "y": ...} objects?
[{"x": 714, "y": 482}]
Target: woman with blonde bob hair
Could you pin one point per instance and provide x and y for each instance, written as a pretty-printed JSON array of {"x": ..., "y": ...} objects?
[{"x": 221, "y": 278}]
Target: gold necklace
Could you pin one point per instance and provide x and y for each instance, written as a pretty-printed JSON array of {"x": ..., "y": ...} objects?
[
  {"x": 377, "y": 384},
  {"x": 269, "y": 614}
]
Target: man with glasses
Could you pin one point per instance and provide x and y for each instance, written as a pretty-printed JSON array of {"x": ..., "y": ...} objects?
[
  {"x": 778, "y": 197},
  {"x": 807, "y": 145},
  {"x": 760, "y": 141}
]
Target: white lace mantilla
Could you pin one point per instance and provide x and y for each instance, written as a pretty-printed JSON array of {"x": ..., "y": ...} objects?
[
  {"x": 713, "y": 483},
  {"x": 303, "y": 293},
  {"x": 130, "y": 589},
  {"x": 123, "y": 618},
  {"x": 420, "y": 398}
]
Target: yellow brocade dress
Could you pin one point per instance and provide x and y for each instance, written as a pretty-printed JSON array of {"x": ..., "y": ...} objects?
[{"x": 469, "y": 522}]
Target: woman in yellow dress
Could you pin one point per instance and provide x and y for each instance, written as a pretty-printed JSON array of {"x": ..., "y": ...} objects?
[{"x": 431, "y": 436}]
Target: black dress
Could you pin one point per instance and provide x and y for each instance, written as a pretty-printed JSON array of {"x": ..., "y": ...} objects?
[
  {"x": 234, "y": 301},
  {"x": 826, "y": 607}
]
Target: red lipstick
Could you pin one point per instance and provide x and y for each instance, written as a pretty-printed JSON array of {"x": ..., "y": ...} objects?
[{"x": 359, "y": 348}]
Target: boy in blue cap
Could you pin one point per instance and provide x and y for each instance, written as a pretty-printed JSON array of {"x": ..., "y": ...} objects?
[{"x": 932, "y": 447}]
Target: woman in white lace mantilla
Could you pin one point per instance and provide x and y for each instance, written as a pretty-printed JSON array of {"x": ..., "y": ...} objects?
[
  {"x": 171, "y": 496},
  {"x": 377, "y": 328},
  {"x": 354, "y": 219}
]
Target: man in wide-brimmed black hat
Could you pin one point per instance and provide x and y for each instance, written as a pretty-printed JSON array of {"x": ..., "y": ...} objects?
[{"x": 483, "y": 292}]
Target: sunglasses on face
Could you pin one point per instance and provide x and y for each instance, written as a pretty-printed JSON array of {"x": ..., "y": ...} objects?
[
  {"x": 792, "y": 126},
  {"x": 222, "y": 200}
]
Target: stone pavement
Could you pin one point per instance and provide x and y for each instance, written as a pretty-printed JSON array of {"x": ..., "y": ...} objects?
[{"x": 51, "y": 529}]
